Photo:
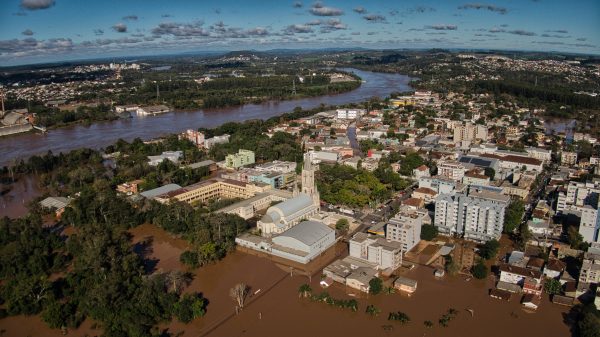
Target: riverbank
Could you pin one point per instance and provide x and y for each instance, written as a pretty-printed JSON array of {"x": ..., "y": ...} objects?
[{"x": 102, "y": 134}]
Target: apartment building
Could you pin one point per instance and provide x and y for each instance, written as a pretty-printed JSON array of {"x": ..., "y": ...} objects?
[
  {"x": 379, "y": 251},
  {"x": 452, "y": 169},
  {"x": 581, "y": 199},
  {"x": 568, "y": 158},
  {"x": 405, "y": 228},
  {"x": 470, "y": 132},
  {"x": 477, "y": 215},
  {"x": 237, "y": 160}
]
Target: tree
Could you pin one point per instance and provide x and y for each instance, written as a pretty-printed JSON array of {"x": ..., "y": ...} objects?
[
  {"x": 575, "y": 239},
  {"x": 239, "y": 292},
  {"x": 399, "y": 316},
  {"x": 451, "y": 267},
  {"x": 372, "y": 310},
  {"x": 513, "y": 215},
  {"x": 490, "y": 172},
  {"x": 176, "y": 279},
  {"x": 589, "y": 324},
  {"x": 190, "y": 306},
  {"x": 189, "y": 258},
  {"x": 428, "y": 232},
  {"x": 489, "y": 249},
  {"x": 342, "y": 225},
  {"x": 428, "y": 324},
  {"x": 304, "y": 290},
  {"x": 480, "y": 271},
  {"x": 552, "y": 286},
  {"x": 375, "y": 286}
]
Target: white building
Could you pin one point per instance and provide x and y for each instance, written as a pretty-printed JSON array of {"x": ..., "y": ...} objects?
[
  {"x": 324, "y": 156},
  {"x": 421, "y": 171},
  {"x": 405, "y": 228},
  {"x": 581, "y": 199},
  {"x": 210, "y": 142},
  {"x": 451, "y": 169},
  {"x": 289, "y": 213},
  {"x": 173, "y": 156},
  {"x": 478, "y": 215},
  {"x": 517, "y": 275},
  {"x": 568, "y": 158},
  {"x": 348, "y": 113},
  {"x": 277, "y": 166},
  {"x": 379, "y": 251},
  {"x": 301, "y": 243},
  {"x": 470, "y": 132},
  {"x": 539, "y": 154}
]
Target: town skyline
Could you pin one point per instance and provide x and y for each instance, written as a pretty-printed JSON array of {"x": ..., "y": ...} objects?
[{"x": 38, "y": 31}]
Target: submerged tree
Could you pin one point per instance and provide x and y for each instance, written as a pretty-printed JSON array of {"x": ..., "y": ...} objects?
[
  {"x": 239, "y": 293},
  {"x": 304, "y": 291}
]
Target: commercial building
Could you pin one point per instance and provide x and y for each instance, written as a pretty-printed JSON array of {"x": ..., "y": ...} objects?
[
  {"x": 152, "y": 110},
  {"x": 511, "y": 162},
  {"x": 237, "y": 160},
  {"x": 477, "y": 215}
]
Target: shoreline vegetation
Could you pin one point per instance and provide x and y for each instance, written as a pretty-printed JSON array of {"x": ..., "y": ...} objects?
[{"x": 189, "y": 96}]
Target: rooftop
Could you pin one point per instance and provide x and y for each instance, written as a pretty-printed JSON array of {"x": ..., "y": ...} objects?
[{"x": 307, "y": 232}]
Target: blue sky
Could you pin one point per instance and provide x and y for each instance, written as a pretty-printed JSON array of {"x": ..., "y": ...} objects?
[{"x": 34, "y": 31}]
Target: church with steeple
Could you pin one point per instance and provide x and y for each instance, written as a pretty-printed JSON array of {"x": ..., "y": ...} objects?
[{"x": 303, "y": 204}]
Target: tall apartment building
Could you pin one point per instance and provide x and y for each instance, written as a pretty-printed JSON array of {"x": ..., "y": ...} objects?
[
  {"x": 477, "y": 215},
  {"x": 242, "y": 158},
  {"x": 384, "y": 253},
  {"x": 405, "y": 228},
  {"x": 470, "y": 132},
  {"x": 581, "y": 199}
]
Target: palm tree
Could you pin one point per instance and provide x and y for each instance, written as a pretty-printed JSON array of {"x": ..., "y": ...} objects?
[{"x": 304, "y": 291}]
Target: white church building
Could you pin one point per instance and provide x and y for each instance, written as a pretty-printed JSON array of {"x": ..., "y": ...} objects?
[{"x": 301, "y": 206}]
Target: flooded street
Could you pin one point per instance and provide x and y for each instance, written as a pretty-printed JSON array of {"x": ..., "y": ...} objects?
[
  {"x": 283, "y": 313},
  {"x": 101, "y": 134}
]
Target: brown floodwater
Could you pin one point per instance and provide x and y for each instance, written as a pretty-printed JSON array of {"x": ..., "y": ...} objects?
[
  {"x": 281, "y": 312},
  {"x": 14, "y": 203},
  {"x": 277, "y": 310},
  {"x": 162, "y": 251}
]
